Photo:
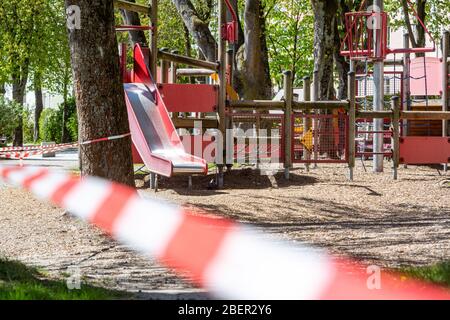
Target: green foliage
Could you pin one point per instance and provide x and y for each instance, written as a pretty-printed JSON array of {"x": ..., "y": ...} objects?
[
  {"x": 9, "y": 116},
  {"x": 72, "y": 122},
  {"x": 52, "y": 119},
  {"x": 50, "y": 125},
  {"x": 19, "y": 282},
  {"x": 437, "y": 17},
  {"x": 438, "y": 273},
  {"x": 28, "y": 125},
  {"x": 290, "y": 34}
]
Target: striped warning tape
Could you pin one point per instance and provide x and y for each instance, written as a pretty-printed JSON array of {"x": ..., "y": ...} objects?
[
  {"x": 226, "y": 258},
  {"x": 28, "y": 148},
  {"x": 25, "y": 152}
]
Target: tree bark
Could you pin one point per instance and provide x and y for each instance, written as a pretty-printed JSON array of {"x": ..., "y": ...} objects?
[
  {"x": 324, "y": 52},
  {"x": 324, "y": 42},
  {"x": 255, "y": 65},
  {"x": 197, "y": 28},
  {"x": 417, "y": 35},
  {"x": 99, "y": 93},
  {"x": 39, "y": 105},
  {"x": 132, "y": 19},
  {"x": 19, "y": 79}
]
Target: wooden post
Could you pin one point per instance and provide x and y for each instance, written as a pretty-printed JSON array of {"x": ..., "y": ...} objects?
[
  {"x": 445, "y": 82},
  {"x": 352, "y": 123},
  {"x": 288, "y": 95},
  {"x": 222, "y": 56},
  {"x": 173, "y": 78},
  {"x": 154, "y": 38},
  {"x": 307, "y": 120},
  {"x": 164, "y": 69},
  {"x": 230, "y": 64},
  {"x": 315, "y": 97},
  {"x": 395, "y": 106},
  {"x": 406, "y": 98}
]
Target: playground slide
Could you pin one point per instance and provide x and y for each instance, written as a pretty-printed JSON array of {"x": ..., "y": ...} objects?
[{"x": 152, "y": 130}]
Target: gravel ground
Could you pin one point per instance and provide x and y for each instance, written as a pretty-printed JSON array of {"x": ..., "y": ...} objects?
[{"x": 375, "y": 219}]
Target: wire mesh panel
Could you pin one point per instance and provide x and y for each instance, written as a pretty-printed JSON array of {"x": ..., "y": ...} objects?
[
  {"x": 320, "y": 138},
  {"x": 364, "y": 139},
  {"x": 257, "y": 137}
]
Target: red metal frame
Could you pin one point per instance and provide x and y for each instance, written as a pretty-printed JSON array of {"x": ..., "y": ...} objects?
[
  {"x": 359, "y": 39},
  {"x": 229, "y": 30}
]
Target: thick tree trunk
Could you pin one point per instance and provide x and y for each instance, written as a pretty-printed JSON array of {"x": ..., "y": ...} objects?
[
  {"x": 39, "y": 105},
  {"x": 99, "y": 93},
  {"x": 197, "y": 28},
  {"x": 324, "y": 42},
  {"x": 324, "y": 51},
  {"x": 132, "y": 19},
  {"x": 255, "y": 67}
]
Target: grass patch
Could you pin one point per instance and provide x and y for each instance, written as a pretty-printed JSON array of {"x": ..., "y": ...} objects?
[
  {"x": 438, "y": 273},
  {"x": 20, "y": 282}
]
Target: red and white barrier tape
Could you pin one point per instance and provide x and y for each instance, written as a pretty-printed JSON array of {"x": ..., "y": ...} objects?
[
  {"x": 26, "y": 154},
  {"x": 28, "y": 148},
  {"x": 22, "y": 152},
  {"x": 228, "y": 259}
]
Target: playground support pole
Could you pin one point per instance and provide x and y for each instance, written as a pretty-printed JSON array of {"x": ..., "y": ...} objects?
[
  {"x": 228, "y": 119},
  {"x": 222, "y": 56},
  {"x": 154, "y": 38},
  {"x": 378, "y": 97},
  {"x": 406, "y": 98},
  {"x": 307, "y": 120},
  {"x": 315, "y": 97},
  {"x": 445, "y": 82},
  {"x": 406, "y": 82},
  {"x": 395, "y": 106},
  {"x": 352, "y": 122},
  {"x": 173, "y": 78},
  {"x": 288, "y": 94}
]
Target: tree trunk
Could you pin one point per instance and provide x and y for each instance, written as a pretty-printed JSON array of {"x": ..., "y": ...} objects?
[
  {"x": 39, "y": 105},
  {"x": 420, "y": 31},
  {"x": 324, "y": 42},
  {"x": 257, "y": 82},
  {"x": 99, "y": 93},
  {"x": 197, "y": 28},
  {"x": 131, "y": 18},
  {"x": 324, "y": 52},
  {"x": 187, "y": 42},
  {"x": 417, "y": 35},
  {"x": 19, "y": 78}
]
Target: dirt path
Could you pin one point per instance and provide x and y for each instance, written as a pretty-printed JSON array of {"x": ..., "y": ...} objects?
[{"x": 406, "y": 222}]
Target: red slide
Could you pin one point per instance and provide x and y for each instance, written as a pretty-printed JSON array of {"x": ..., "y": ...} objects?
[{"x": 152, "y": 130}]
